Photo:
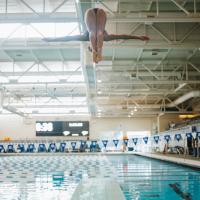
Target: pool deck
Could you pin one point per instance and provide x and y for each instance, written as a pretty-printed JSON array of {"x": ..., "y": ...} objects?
[
  {"x": 172, "y": 158},
  {"x": 187, "y": 161}
]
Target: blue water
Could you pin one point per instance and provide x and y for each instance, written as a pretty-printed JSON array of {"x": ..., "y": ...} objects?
[
  {"x": 143, "y": 178},
  {"x": 56, "y": 177}
]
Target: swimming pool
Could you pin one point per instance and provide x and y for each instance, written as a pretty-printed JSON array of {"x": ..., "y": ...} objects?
[{"x": 56, "y": 177}]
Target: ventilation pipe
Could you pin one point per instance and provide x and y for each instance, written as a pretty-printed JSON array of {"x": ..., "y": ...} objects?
[
  {"x": 1, "y": 101},
  {"x": 13, "y": 110},
  {"x": 184, "y": 98}
]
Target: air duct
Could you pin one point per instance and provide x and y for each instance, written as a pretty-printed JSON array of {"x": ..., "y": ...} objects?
[
  {"x": 13, "y": 110},
  {"x": 1, "y": 101},
  {"x": 184, "y": 98}
]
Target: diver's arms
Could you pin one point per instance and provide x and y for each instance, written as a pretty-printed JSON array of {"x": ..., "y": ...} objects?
[
  {"x": 68, "y": 38},
  {"x": 110, "y": 37}
]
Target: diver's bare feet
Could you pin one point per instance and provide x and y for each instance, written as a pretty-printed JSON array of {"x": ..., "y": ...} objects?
[
  {"x": 94, "y": 54},
  {"x": 99, "y": 57}
]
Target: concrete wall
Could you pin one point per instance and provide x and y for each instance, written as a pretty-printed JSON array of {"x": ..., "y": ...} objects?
[
  {"x": 18, "y": 128},
  {"x": 110, "y": 127}
]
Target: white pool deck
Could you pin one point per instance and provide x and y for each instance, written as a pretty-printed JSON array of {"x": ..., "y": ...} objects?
[
  {"x": 175, "y": 159},
  {"x": 182, "y": 161}
]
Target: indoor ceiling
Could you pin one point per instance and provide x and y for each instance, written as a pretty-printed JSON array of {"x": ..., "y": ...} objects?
[{"x": 135, "y": 78}]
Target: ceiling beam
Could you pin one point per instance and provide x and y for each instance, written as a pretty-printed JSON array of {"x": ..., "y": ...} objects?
[
  {"x": 154, "y": 19},
  {"x": 58, "y": 17},
  {"x": 34, "y": 45},
  {"x": 152, "y": 82},
  {"x": 41, "y": 73},
  {"x": 53, "y": 84},
  {"x": 180, "y": 7},
  {"x": 49, "y": 106},
  {"x": 63, "y": 17},
  {"x": 141, "y": 73}
]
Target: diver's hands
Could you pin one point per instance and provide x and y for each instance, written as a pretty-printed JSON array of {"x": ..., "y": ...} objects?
[{"x": 144, "y": 38}]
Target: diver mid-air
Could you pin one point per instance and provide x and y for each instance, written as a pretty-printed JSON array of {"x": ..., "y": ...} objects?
[{"x": 95, "y": 20}]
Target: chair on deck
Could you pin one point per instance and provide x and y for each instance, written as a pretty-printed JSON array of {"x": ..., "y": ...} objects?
[
  {"x": 83, "y": 146},
  {"x": 73, "y": 145},
  {"x": 2, "y": 150},
  {"x": 10, "y": 148},
  {"x": 21, "y": 148},
  {"x": 30, "y": 148},
  {"x": 52, "y": 147},
  {"x": 62, "y": 147},
  {"x": 42, "y": 147},
  {"x": 94, "y": 147}
]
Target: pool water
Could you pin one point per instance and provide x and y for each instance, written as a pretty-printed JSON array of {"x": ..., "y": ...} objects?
[{"x": 56, "y": 177}]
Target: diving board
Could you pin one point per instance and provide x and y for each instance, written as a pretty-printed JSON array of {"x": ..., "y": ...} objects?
[{"x": 98, "y": 189}]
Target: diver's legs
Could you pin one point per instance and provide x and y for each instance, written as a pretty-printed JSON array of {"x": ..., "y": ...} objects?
[
  {"x": 101, "y": 22},
  {"x": 90, "y": 21}
]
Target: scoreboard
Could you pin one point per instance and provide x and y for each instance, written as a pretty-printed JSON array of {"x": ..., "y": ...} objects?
[{"x": 62, "y": 128}]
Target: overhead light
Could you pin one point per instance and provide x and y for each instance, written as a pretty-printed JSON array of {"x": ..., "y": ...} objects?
[
  {"x": 66, "y": 133},
  {"x": 75, "y": 134},
  {"x": 99, "y": 81},
  {"x": 132, "y": 113},
  {"x": 84, "y": 133},
  {"x": 99, "y": 92},
  {"x": 129, "y": 115},
  {"x": 189, "y": 116},
  {"x": 135, "y": 109},
  {"x": 99, "y": 110}
]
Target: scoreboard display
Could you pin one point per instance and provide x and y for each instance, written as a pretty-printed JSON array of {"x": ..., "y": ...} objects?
[{"x": 62, "y": 128}]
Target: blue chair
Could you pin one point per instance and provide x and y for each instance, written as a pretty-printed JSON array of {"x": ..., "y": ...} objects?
[
  {"x": 74, "y": 145},
  {"x": 83, "y": 146},
  {"x": 94, "y": 146},
  {"x": 42, "y": 148},
  {"x": 10, "y": 148},
  {"x": 2, "y": 150},
  {"x": 62, "y": 147},
  {"x": 52, "y": 147},
  {"x": 21, "y": 148},
  {"x": 30, "y": 148}
]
